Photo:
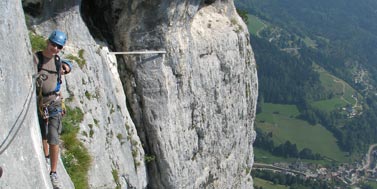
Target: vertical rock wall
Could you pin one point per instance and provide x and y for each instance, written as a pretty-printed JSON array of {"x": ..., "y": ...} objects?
[
  {"x": 21, "y": 155},
  {"x": 94, "y": 86},
  {"x": 194, "y": 107}
]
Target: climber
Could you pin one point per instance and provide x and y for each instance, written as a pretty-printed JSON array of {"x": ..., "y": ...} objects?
[
  {"x": 1, "y": 172},
  {"x": 51, "y": 106}
]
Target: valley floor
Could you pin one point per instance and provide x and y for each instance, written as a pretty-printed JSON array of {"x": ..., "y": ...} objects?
[{"x": 349, "y": 174}]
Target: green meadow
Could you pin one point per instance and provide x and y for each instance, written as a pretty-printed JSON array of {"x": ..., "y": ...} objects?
[
  {"x": 309, "y": 42},
  {"x": 255, "y": 25},
  {"x": 267, "y": 184},
  {"x": 281, "y": 121},
  {"x": 263, "y": 156},
  {"x": 342, "y": 92}
]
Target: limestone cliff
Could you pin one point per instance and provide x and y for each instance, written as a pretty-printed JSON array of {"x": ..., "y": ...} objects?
[
  {"x": 21, "y": 155},
  {"x": 189, "y": 113}
]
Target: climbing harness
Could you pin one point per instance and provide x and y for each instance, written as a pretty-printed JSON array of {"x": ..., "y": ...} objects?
[{"x": 46, "y": 110}]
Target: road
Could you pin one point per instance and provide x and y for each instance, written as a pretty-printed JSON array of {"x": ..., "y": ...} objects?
[
  {"x": 272, "y": 167},
  {"x": 367, "y": 164}
]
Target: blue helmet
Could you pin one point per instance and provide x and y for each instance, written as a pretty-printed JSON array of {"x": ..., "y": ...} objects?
[
  {"x": 68, "y": 63},
  {"x": 58, "y": 37}
]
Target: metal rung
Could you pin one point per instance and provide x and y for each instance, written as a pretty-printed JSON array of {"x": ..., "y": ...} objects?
[{"x": 139, "y": 52}]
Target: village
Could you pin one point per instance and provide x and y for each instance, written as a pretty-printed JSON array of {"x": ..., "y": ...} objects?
[{"x": 349, "y": 174}]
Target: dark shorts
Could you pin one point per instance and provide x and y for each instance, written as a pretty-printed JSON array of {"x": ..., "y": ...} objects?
[{"x": 54, "y": 126}]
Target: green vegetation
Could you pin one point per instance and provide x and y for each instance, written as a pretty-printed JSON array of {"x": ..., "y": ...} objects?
[
  {"x": 88, "y": 95},
  {"x": 278, "y": 180},
  {"x": 339, "y": 94},
  {"x": 309, "y": 42},
  {"x": 318, "y": 56},
  {"x": 255, "y": 25},
  {"x": 282, "y": 122},
  {"x": 27, "y": 20},
  {"x": 115, "y": 174},
  {"x": 331, "y": 83},
  {"x": 38, "y": 42},
  {"x": 134, "y": 146},
  {"x": 76, "y": 157},
  {"x": 79, "y": 60},
  {"x": 120, "y": 138},
  {"x": 369, "y": 185},
  {"x": 329, "y": 105},
  {"x": 321, "y": 97},
  {"x": 263, "y": 156},
  {"x": 336, "y": 86},
  {"x": 265, "y": 184},
  {"x": 149, "y": 158},
  {"x": 243, "y": 15},
  {"x": 91, "y": 131},
  {"x": 286, "y": 149},
  {"x": 83, "y": 61},
  {"x": 281, "y": 109},
  {"x": 285, "y": 78},
  {"x": 236, "y": 25}
]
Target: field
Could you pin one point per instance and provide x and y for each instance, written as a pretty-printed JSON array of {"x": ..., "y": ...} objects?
[
  {"x": 282, "y": 122},
  {"x": 342, "y": 92},
  {"x": 262, "y": 156},
  {"x": 309, "y": 42},
  {"x": 267, "y": 184},
  {"x": 254, "y": 24}
]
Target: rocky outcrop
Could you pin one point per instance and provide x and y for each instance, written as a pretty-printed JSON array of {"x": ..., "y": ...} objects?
[
  {"x": 193, "y": 106},
  {"x": 187, "y": 121}
]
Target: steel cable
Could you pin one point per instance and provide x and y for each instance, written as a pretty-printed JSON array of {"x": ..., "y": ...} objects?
[{"x": 4, "y": 145}]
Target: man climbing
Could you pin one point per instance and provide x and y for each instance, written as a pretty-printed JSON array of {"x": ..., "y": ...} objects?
[{"x": 50, "y": 107}]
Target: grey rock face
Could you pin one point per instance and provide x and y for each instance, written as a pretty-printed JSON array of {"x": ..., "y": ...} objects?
[
  {"x": 107, "y": 130},
  {"x": 194, "y": 107},
  {"x": 21, "y": 155},
  {"x": 191, "y": 110}
]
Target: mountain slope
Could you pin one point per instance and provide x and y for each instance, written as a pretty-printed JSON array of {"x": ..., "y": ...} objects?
[
  {"x": 340, "y": 37},
  {"x": 342, "y": 29}
]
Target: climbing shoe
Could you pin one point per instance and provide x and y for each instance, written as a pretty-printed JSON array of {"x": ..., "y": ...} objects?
[{"x": 54, "y": 180}]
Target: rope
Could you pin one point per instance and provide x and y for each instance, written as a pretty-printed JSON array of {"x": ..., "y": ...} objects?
[{"x": 4, "y": 145}]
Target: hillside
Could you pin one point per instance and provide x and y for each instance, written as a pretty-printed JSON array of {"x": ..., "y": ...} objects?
[
  {"x": 299, "y": 63},
  {"x": 344, "y": 30},
  {"x": 317, "y": 57}
]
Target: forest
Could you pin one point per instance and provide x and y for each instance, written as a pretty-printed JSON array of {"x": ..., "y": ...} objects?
[
  {"x": 287, "y": 149},
  {"x": 343, "y": 41}
]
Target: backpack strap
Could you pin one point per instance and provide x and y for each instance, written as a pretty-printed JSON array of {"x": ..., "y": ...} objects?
[
  {"x": 58, "y": 66},
  {"x": 40, "y": 60}
]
